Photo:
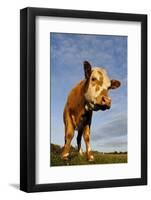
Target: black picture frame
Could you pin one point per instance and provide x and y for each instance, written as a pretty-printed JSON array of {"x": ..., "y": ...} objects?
[{"x": 28, "y": 99}]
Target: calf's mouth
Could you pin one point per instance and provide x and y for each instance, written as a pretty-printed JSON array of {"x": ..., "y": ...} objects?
[
  {"x": 96, "y": 107},
  {"x": 101, "y": 107}
]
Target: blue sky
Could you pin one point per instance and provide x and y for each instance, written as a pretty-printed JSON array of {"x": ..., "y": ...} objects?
[{"x": 67, "y": 53}]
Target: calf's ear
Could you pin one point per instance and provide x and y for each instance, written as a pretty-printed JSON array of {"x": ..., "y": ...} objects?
[
  {"x": 87, "y": 69},
  {"x": 114, "y": 84}
]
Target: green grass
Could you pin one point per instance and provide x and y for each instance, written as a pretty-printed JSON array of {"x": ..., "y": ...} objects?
[{"x": 76, "y": 159}]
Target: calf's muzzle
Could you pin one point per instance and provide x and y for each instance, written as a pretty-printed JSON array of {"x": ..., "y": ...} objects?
[{"x": 103, "y": 104}]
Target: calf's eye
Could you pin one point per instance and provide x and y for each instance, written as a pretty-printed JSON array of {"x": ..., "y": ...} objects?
[{"x": 93, "y": 79}]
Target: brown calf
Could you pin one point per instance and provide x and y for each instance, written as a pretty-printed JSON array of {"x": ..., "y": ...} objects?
[{"x": 91, "y": 94}]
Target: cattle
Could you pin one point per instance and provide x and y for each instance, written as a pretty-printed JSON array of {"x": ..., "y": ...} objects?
[{"x": 90, "y": 94}]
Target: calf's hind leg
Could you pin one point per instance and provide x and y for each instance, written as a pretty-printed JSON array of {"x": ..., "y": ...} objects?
[{"x": 80, "y": 132}]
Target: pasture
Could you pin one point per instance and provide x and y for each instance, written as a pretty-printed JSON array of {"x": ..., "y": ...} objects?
[{"x": 76, "y": 159}]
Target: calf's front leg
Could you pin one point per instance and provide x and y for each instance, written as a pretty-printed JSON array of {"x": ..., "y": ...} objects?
[
  {"x": 86, "y": 136},
  {"x": 69, "y": 133}
]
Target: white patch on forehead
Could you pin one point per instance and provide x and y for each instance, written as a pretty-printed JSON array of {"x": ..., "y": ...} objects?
[
  {"x": 95, "y": 74},
  {"x": 106, "y": 80}
]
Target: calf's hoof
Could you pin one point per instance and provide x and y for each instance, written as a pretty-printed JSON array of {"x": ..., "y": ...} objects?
[
  {"x": 65, "y": 156},
  {"x": 90, "y": 158},
  {"x": 80, "y": 152}
]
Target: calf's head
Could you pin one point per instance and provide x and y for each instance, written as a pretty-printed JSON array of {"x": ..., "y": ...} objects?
[{"x": 98, "y": 85}]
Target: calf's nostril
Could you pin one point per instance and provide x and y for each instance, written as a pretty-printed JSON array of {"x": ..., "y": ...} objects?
[
  {"x": 103, "y": 100},
  {"x": 106, "y": 101}
]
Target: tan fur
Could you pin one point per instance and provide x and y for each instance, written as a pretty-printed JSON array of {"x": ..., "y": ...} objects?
[{"x": 75, "y": 103}]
